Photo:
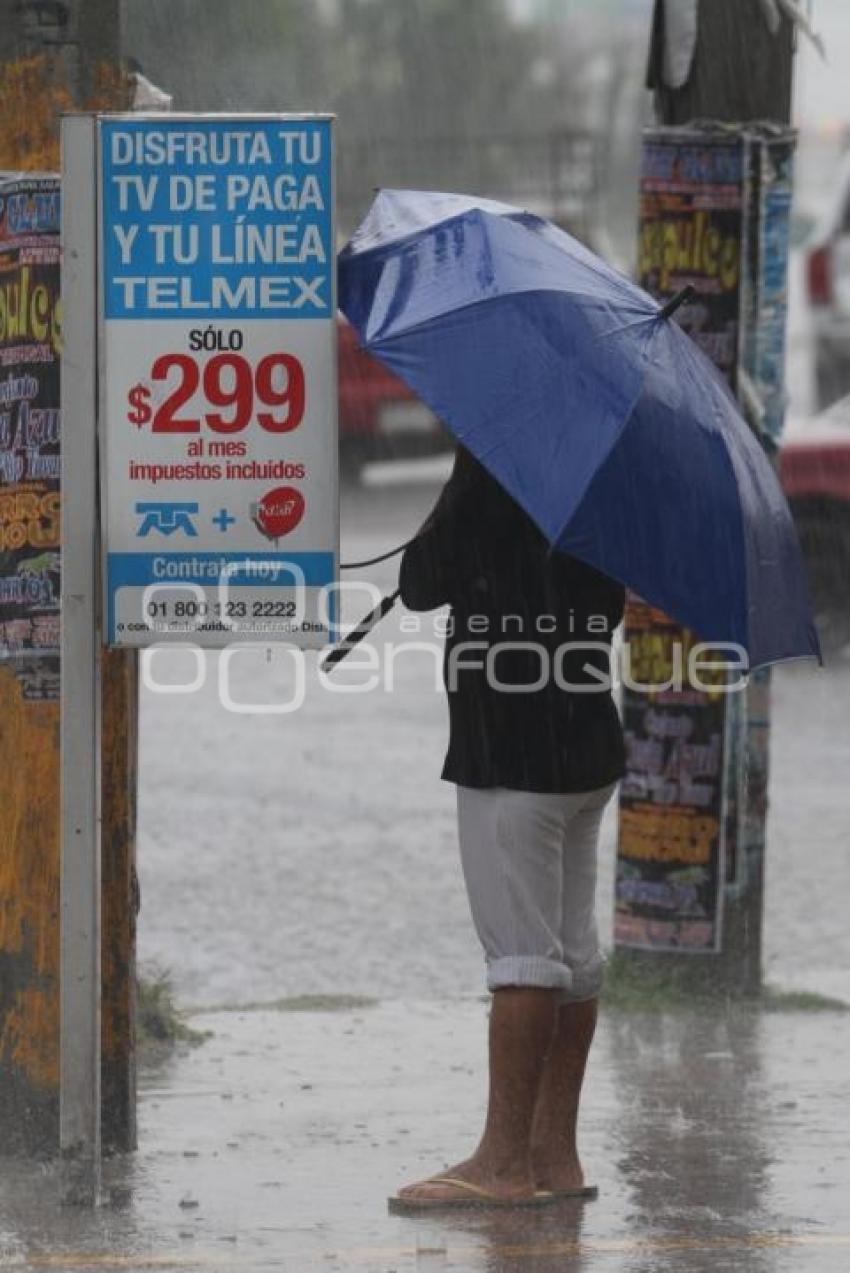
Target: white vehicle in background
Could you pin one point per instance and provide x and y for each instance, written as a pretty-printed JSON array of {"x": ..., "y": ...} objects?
[
  {"x": 814, "y": 467},
  {"x": 828, "y": 279}
]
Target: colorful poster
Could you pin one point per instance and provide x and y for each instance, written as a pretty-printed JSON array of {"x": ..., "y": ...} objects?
[
  {"x": 770, "y": 168},
  {"x": 715, "y": 210},
  {"x": 692, "y": 218},
  {"x": 670, "y": 871},
  {"x": 765, "y": 310},
  {"x": 218, "y": 408},
  {"x": 30, "y": 337},
  {"x": 678, "y": 803}
]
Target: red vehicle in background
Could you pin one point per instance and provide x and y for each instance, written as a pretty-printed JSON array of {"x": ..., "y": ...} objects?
[{"x": 379, "y": 417}]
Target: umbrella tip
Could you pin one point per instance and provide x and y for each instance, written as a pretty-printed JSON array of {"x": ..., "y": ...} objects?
[{"x": 681, "y": 298}]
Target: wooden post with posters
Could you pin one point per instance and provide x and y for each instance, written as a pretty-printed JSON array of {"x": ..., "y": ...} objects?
[
  {"x": 53, "y": 59},
  {"x": 690, "y": 869}
]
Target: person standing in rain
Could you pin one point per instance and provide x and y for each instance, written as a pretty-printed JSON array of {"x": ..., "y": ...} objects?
[{"x": 535, "y": 757}]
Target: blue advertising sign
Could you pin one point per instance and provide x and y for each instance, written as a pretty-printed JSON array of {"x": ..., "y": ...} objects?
[
  {"x": 217, "y": 218},
  {"x": 218, "y": 408}
]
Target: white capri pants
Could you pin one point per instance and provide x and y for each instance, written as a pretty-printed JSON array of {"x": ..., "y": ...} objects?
[{"x": 529, "y": 862}]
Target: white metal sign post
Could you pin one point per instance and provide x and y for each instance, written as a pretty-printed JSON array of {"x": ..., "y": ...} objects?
[
  {"x": 79, "y": 970},
  {"x": 199, "y": 379}
]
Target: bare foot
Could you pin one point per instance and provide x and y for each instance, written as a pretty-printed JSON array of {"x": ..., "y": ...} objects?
[
  {"x": 477, "y": 1171},
  {"x": 561, "y": 1173}
]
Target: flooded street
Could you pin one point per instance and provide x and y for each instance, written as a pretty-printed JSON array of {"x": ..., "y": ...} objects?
[
  {"x": 312, "y": 1029},
  {"x": 718, "y": 1142},
  {"x": 289, "y": 861}
]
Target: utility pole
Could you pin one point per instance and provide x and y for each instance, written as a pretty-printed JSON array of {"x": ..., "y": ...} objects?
[
  {"x": 727, "y": 61},
  {"x": 68, "y": 52},
  {"x": 741, "y": 71}
]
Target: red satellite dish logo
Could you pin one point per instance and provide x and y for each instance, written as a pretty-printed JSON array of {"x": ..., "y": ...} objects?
[{"x": 278, "y": 512}]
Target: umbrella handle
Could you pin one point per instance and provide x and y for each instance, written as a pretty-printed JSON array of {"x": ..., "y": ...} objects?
[
  {"x": 364, "y": 627},
  {"x": 681, "y": 298},
  {"x": 373, "y": 561}
]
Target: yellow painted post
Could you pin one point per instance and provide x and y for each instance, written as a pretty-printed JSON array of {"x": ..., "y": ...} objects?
[
  {"x": 35, "y": 88},
  {"x": 29, "y": 921}
]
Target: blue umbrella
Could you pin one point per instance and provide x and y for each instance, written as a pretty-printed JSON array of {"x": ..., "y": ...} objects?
[{"x": 597, "y": 414}]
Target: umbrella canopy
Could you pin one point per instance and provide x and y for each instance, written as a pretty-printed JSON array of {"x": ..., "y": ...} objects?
[{"x": 598, "y": 415}]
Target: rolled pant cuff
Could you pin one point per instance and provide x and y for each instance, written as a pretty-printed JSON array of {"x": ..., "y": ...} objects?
[
  {"x": 586, "y": 981},
  {"x": 528, "y": 970}
]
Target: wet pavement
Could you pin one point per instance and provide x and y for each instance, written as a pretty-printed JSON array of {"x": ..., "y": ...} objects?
[
  {"x": 326, "y": 863},
  {"x": 718, "y": 1141}
]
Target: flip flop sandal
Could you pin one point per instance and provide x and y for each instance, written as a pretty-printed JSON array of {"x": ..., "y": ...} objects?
[
  {"x": 475, "y": 1197},
  {"x": 584, "y": 1191}
]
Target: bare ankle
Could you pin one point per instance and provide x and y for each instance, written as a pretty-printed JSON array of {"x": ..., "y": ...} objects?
[
  {"x": 502, "y": 1163},
  {"x": 554, "y": 1154}
]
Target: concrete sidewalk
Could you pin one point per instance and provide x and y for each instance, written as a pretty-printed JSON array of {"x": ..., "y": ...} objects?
[{"x": 719, "y": 1142}]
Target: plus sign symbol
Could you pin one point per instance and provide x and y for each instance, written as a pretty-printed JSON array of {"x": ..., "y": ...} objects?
[{"x": 223, "y": 519}]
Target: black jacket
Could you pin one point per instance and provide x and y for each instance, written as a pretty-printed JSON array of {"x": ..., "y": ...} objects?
[{"x": 481, "y": 553}]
